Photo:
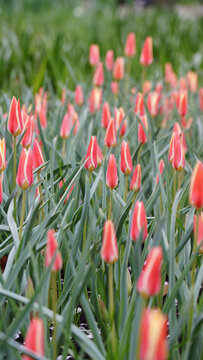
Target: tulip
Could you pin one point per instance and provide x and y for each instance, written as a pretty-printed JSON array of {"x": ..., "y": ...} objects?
[
  {"x": 201, "y": 98},
  {"x": 126, "y": 161},
  {"x": 110, "y": 137},
  {"x": 119, "y": 115},
  {"x": 24, "y": 174},
  {"x": 192, "y": 79},
  {"x": 136, "y": 179},
  {"x": 159, "y": 87},
  {"x": 52, "y": 252},
  {"x": 153, "y": 335},
  {"x": 75, "y": 123},
  {"x": 142, "y": 138},
  {"x": 111, "y": 173},
  {"x": 130, "y": 45},
  {"x": 38, "y": 158},
  {"x": 79, "y": 97},
  {"x": 118, "y": 69},
  {"x": 175, "y": 136},
  {"x": 178, "y": 162},
  {"x": 114, "y": 87},
  {"x": 106, "y": 115},
  {"x": 41, "y": 107},
  {"x": 109, "y": 60},
  {"x": 95, "y": 100},
  {"x": 149, "y": 281},
  {"x": 170, "y": 76},
  {"x": 183, "y": 84},
  {"x": 139, "y": 221},
  {"x": 98, "y": 78},
  {"x": 94, "y": 55},
  {"x": 100, "y": 157},
  {"x": 34, "y": 339},
  {"x": 199, "y": 231},
  {"x": 28, "y": 126},
  {"x": 161, "y": 168},
  {"x": 65, "y": 127},
  {"x": 147, "y": 85},
  {"x": 70, "y": 109},
  {"x": 109, "y": 250},
  {"x": 139, "y": 105},
  {"x": 91, "y": 156},
  {"x": 1, "y": 188},
  {"x": 182, "y": 103},
  {"x": 2, "y": 155},
  {"x": 14, "y": 125},
  {"x": 186, "y": 123},
  {"x": 146, "y": 57},
  {"x": 196, "y": 186},
  {"x": 153, "y": 103}
]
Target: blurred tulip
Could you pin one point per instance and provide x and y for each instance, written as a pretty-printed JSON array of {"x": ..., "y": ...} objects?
[
  {"x": 79, "y": 97},
  {"x": 100, "y": 157},
  {"x": 142, "y": 137},
  {"x": 24, "y": 176},
  {"x": 41, "y": 107},
  {"x": 182, "y": 103},
  {"x": 14, "y": 124},
  {"x": 186, "y": 123},
  {"x": 119, "y": 68},
  {"x": 146, "y": 57},
  {"x": 65, "y": 127},
  {"x": 114, "y": 87},
  {"x": 130, "y": 45},
  {"x": 201, "y": 98},
  {"x": 98, "y": 78},
  {"x": 196, "y": 186},
  {"x": 139, "y": 105},
  {"x": 95, "y": 100},
  {"x": 159, "y": 87},
  {"x": 147, "y": 86},
  {"x": 52, "y": 251},
  {"x": 1, "y": 188},
  {"x": 161, "y": 168},
  {"x": 109, "y": 60},
  {"x": 170, "y": 76},
  {"x": 34, "y": 339},
  {"x": 182, "y": 84},
  {"x": 106, "y": 115},
  {"x": 109, "y": 250},
  {"x": 139, "y": 221},
  {"x": 126, "y": 161},
  {"x": 28, "y": 126},
  {"x": 91, "y": 156},
  {"x": 2, "y": 155},
  {"x": 192, "y": 79},
  {"x": 119, "y": 115},
  {"x": 94, "y": 55},
  {"x": 38, "y": 158},
  {"x": 75, "y": 123},
  {"x": 136, "y": 179},
  {"x": 199, "y": 230},
  {"x": 110, "y": 137},
  {"x": 111, "y": 173},
  {"x": 153, "y": 103},
  {"x": 178, "y": 162}
]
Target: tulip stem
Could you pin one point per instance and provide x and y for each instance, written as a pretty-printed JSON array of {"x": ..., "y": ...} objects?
[
  {"x": 64, "y": 149},
  {"x": 110, "y": 205},
  {"x": 22, "y": 214},
  {"x": 111, "y": 310},
  {"x": 134, "y": 197},
  {"x": 14, "y": 169},
  {"x": 41, "y": 196},
  {"x": 139, "y": 154},
  {"x": 90, "y": 177},
  {"x": 54, "y": 300},
  {"x": 174, "y": 185},
  {"x": 126, "y": 188}
]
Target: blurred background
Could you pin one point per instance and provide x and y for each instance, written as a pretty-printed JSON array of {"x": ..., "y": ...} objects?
[{"x": 49, "y": 40}]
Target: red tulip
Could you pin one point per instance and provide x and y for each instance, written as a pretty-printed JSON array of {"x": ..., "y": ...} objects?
[
  {"x": 109, "y": 250},
  {"x": 176, "y": 134},
  {"x": 196, "y": 186},
  {"x": 91, "y": 156},
  {"x": 153, "y": 103},
  {"x": 147, "y": 86},
  {"x": 14, "y": 125},
  {"x": 41, "y": 107},
  {"x": 75, "y": 123},
  {"x": 146, "y": 57},
  {"x": 178, "y": 162},
  {"x": 110, "y": 137},
  {"x": 100, "y": 157},
  {"x": 183, "y": 84},
  {"x": 106, "y": 115},
  {"x": 186, "y": 123},
  {"x": 95, "y": 100},
  {"x": 142, "y": 137},
  {"x": 161, "y": 168},
  {"x": 153, "y": 335},
  {"x": 139, "y": 105},
  {"x": 199, "y": 230},
  {"x": 136, "y": 179},
  {"x": 111, "y": 173},
  {"x": 94, "y": 55},
  {"x": 98, "y": 78},
  {"x": 139, "y": 221},
  {"x": 192, "y": 78},
  {"x": 126, "y": 161},
  {"x": 182, "y": 103},
  {"x": 109, "y": 60},
  {"x": 1, "y": 188},
  {"x": 119, "y": 68},
  {"x": 24, "y": 176},
  {"x": 119, "y": 115},
  {"x": 114, "y": 87},
  {"x": 130, "y": 45},
  {"x": 2, "y": 155},
  {"x": 28, "y": 126},
  {"x": 38, "y": 158},
  {"x": 34, "y": 339},
  {"x": 52, "y": 251},
  {"x": 79, "y": 97},
  {"x": 65, "y": 127},
  {"x": 201, "y": 98},
  {"x": 170, "y": 76},
  {"x": 149, "y": 281}
]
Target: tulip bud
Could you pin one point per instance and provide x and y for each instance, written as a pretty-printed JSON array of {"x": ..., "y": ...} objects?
[
  {"x": 139, "y": 221},
  {"x": 118, "y": 69},
  {"x": 170, "y": 76},
  {"x": 2, "y": 155},
  {"x": 52, "y": 252},
  {"x": 196, "y": 186},
  {"x": 129, "y": 282},
  {"x": 153, "y": 103},
  {"x": 109, "y": 60},
  {"x": 175, "y": 136},
  {"x": 79, "y": 97},
  {"x": 161, "y": 168},
  {"x": 110, "y": 137},
  {"x": 159, "y": 87},
  {"x": 98, "y": 78},
  {"x": 91, "y": 156},
  {"x": 75, "y": 123},
  {"x": 28, "y": 126},
  {"x": 111, "y": 173},
  {"x": 106, "y": 115},
  {"x": 114, "y": 87},
  {"x": 65, "y": 127},
  {"x": 153, "y": 335},
  {"x": 199, "y": 230},
  {"x": 147, "y": 85},
  {"x": 149, "y": 281},
  {"x": 30, "y": 291},
  {"x": 146, "y": 57},
  {"x": 103, "y": 311},
  {"x": 100, "y": 157},
  {"x": 109, "y": 250},
  {"x": 14, "y": 125},
  {"x": 142, "y": 137},
  {"x": 34, "y": 339},
  {"x": 38, "y": 158},
  {"x": 139, "y": 104},
  {"x": 1, "y": 188},
  {"x": 182, "y": 103},
  {"x": 130, "y": 45},
  {"x": 192, "y": 79},
  {"x": 186, "y": 123},
  {"x": 119, "y": 114},
  {"x": 178, "y": 162},
  {"x": 201, "y": 98},
  {"x": 136, "y": 179},
  {"x": 126, "y": 161},
  {"x": 94, "y": 55},
  {"x": 24, "y": 176},
  {"x": 95, "y": 100}
]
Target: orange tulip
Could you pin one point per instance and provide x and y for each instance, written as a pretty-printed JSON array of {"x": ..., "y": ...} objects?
[
  {"x": 153, "y": 103},
  {"x": 192, "y": 79},
  {"x": 178, "y": 162},
  {"x": 119, "y": 115},
  {"x": 95, "y": 100}
]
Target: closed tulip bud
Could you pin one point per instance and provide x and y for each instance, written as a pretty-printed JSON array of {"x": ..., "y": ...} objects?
[
  {"x": 52, "y": 252},
  {"x": 182, "y": 103},
  {"x": 147, "y": 85},
  {"x": 182, "y": 84},
  {"x": 129, "y": 282},
  {"x": 43, "y": 118},
  {"x": 106, "y": 115},
  {"x": 110, "y": 137},
  {"x": 34, "y": 339},
  {"x": 139, "y": 221},
  {"x": 95, "y": 100},
  {"x": 98, "y": 78},
  {"x": 196, "y": 186},
  {"x": 70, "y": 109},
  {"x": 192, "y": 79},
  {"x": 109, "y": 60},
  {"x": 75, "y": 123},
  {"x": 136, "y": 179},
  {"x": 79, "y": 97},
  {"x": 114, "y": 87},
  {"x": 38, "y": 158},
  {"x": 130, "y": 45},
  {"x": 178, "y": 162},
  {"x": 1, "y": 188},
  {"x": 146, "y": 57},
  {"x": 153, "y": 103},
  {"x": 139, "y": 105},
  {"x": 201, "y": 98},
  {"x": 175, "y": 136},
  {"x": 91, "y": 156},
  {"x": 153, "y": 335},
  {"x": 14, "y": 125},
  {"x": 119, "y": 115},
  {"x": 149, "y": 281},
  {"x": 199, "y": 230},
  {"x": 100, "y": 157},
  {"x": 103, "y": 311},
  {"x": 109, "y": 250},
  {"x": 142, "y": 137},
  {"x": 94, "y": 55},
  {"x": 170, "y": 76},
  {"x": 30, "y": 291},
  {"x": 28, "y": 128},
  {"x": 119, "y": 69},
  {"x": 161, "y": 168},
  {"x": 24, "y": 176},
  {"x": 65, "y": 127},
  {"x": 2, "y": 155},
  {"x": 126, "y": 161},
  {"x": 111, "y": 173}
]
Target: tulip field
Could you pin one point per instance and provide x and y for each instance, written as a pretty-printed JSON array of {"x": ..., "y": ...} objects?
[{"x": 101, "y": 195}]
